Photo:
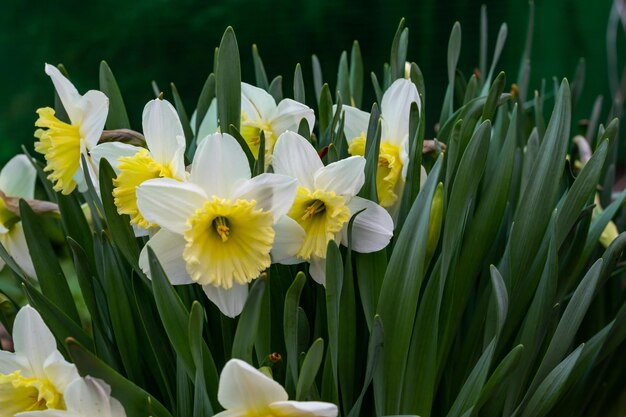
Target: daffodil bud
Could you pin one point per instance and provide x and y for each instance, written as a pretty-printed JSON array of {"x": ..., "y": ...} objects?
[{"x": 434, "y": 227}]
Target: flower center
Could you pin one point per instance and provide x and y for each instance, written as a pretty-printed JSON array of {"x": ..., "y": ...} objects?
[
  {"x": 60, "y": 143},
  {"x": 21, "y": 394},
  {"x": 322, "y": 215},
  {"x": 388, "y": 172},
  {"x": 251, "y": 132},
  {"x": 228, "y": 242},
  {"x": 134, "y": 170}
]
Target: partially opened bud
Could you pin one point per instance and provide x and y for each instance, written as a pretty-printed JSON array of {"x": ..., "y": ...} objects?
[{"x": 436, "y": 217}]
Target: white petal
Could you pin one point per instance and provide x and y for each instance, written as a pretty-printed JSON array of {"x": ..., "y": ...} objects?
[
  {"x": 396, "y": 107},
  {"x": 163, "y": 130},
  {"x": 112, "y": 152},
  {"x": 219, "y": 165},
  {"x": 296, "y": 157},
  {"x": 92, "y": 397},
  {"x": 32, "y": 339},
  {"x": 15, "y": 243},
  {"x": 95, "y": 107},
  {"x": 356, "y": 122},
  {"x": 256, "y": 102},
  {"x": 59, "y": 371},
  {"x": 272, "y": 192},
  {"x": 232, "y": 413},
  {"x": 10, "y": 362},
  {"x": 317, "y": 269},
  {"x": 372, "y": 228},
  {"x": 287, "y": 241},
  {"x": 231, "y": 301},
  {"x": 344, "y": 177},
  {"x": 288, "y": 116},
  {"x": 304, "y": 409},
  {"x": 67, "y": 93},
  {"x": 17, "y": 178},
  {"x": 209, "y": 123},
  {"x": 168, "y": 248},
  {"x": 169, "y": 203},
  {"x": 242, "y": 386}
]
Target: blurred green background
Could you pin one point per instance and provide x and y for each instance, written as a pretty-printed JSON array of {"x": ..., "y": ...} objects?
[{"x": 173, "y": 41}]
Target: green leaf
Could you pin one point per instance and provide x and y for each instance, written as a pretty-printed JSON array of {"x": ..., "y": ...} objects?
[
  {"x": 298, "y": 85},
  {"x": 356, "y": 76},
  {"x": 454, "y": 50},
  {"x": 259, "y": 69},
  {"x": 310, "y": 368},
  {"x": 201, "y": 402},
  {"x": 317, "y": 77},
  {"x": 398, "y": 52},
  {"x": 204, "y": 101},
  {"x": 248, "y": 323},
  {"x": 117, "y": 117},
  {"x": 136, "y": 402},
  {"x": 343, "y": 78},
  {"x": 334, "y": 285},
  {"x": 372, "y": 150},
  {"x": 228, "y": 82},
  {"x": 496, "y": 55},
  {"x": 182, "y": 115},
  {"x": 276, "y": 88},
  {"x": 49, "y": 273},
  {"x": 290, "y": 324}
]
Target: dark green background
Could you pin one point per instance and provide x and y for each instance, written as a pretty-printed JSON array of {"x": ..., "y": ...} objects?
[{"x": 170, "y": 40}]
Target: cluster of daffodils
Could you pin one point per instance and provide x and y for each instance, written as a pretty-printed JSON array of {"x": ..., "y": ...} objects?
[{"x": 211, "y": 223}]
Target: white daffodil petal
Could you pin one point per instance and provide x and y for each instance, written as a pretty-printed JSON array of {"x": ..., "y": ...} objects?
[
  {"x": 229, "y": 301},
  {"x": 92, "y": 397},
  {"x": 272, "y": 192},
  {"x": 209, "y": 123},
  {"x": 372, "y": 228},
  {"x": 112, "y": 152},
  {"x": 169, "y": 203},
  {"x": 296, "y": 157},
  {"x": 17, "y": 178},
  {"x": 48, "y": 413},
  {"x": 219, "y": 165},
  {"x": 95, "y": 107},
  {"x": 67, "y": 93},
  {"x": 233, "y": 413},
  {"x": 287, "y": 241},
  {"x": 288, "y": 115},
  {"x": 396, "y": 107},
  {"x": 256, "y": 102},
  {"x": 317, "y": 269},
  {"x": 163, "y": 130},
  {"x": 355, "y": 122},
  {"x": 344, "y": 177},
  {"x": 168, "y": 248},
  {"x": 15, "y": 243},
  {"x": 32, "y": 338},
  {"x": 10, "y": 362},
  {"x": 59, "y": 371},
  {"x": 79, "y": 175},
  {"x": 304, "y": 409},
  {"x": 245, "y": 387}
]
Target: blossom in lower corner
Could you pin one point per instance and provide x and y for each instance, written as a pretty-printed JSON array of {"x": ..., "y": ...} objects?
[
  {"x": 85, "y": 397},
  {"x": 36, "y": 376},
  {"x": 326, "y": 200},
  {"x": 62, "y": 143},
  {"x": 17, "y": 180},
  {"x": 393, "y": 159},
  {"x": 164, "y": 157},
  {"x": 221, "y": 228},
  {"x": 246, "y": 392}
]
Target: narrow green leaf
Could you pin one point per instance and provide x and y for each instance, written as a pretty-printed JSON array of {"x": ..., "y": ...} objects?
[
  {"x": 201, "y": 402},
  {"x": 276, "y": 88},
  {"x": 334, "y": 285},
  {"x": 310, "y": 368},
  {"x": 204, "y": 101},
  {"x": 290, "y": 324},
  {"x": 298, "y": 85},
  {"x": 248, "y": 323},
  {"x": 356, "y": 76},
  {"x": 259, "y": 69},
  {"x": 228, "y": 82},
  {"x": 117, "y": 117},
  {"x": 182, "y": 115}
]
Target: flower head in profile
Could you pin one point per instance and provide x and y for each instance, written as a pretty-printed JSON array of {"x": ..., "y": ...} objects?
[
  {"x": 85, "y": 397},
  {"x": 17, "y": 180},
  {"x": 260, "y": 113},
  {"x": 63, "y": 143},
  {"x": 393, "y": 159},
  {"x": 326, "y": 200},
  {"x": 164, "y": 157},
  {"x": 246, "y": 392},
  {"x": 221, "y": 228},
  {"x": 36, "y": 376}
]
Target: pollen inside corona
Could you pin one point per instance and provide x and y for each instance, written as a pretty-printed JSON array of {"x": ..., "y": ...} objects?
[
  {"x": 322, "y": 215},
  {"x": 60, "y": 143},
  {"x": 388, "y": 172},
  {"x": 19, "y": 394},
  {"x": 228, "y": 242},
  {"x": 134, "y": 170}
]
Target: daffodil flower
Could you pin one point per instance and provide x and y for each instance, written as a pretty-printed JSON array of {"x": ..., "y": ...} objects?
[
  {"x": 220, "y": 229},
  {"x": 247, "y": 392},
  {"x": 61, "y": 143},
  {"x": 36, "y": 376},
  {"x": 259, "y": 113},
  {"x": 17, "y": 180},
  {"x": 326, "y": 200},
  {"x": 393, "y": 159},
  {"x": 164, "y": 158},
  {"x": 85, "y": 397}
]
